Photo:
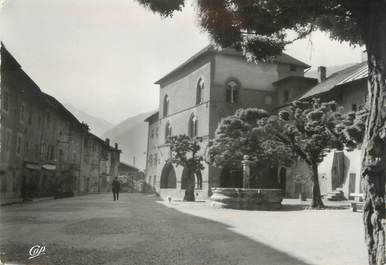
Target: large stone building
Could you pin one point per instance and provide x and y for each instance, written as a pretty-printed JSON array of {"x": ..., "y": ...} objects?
[
  {"x": 44, "y": 148},
  {"x": 196, "y": 95}
]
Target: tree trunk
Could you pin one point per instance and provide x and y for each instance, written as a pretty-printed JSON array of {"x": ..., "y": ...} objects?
[
  {"x": 189, "y": 192},
  {"x": 316, "y": 196},
  {"x": 373, "y": 163}
]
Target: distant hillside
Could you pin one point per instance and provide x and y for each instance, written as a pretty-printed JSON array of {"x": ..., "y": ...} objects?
[
  {"x": 131, "y": 135},
  {"x": 330, "y": 70},
  {"x": 97, "y": 126}
]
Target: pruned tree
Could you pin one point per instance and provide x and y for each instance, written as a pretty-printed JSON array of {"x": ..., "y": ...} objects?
[
  {"x": 261, "y": 27},
  {"x": 244, "y": 134},
  {"x": 311, "y": 129},
  {"x": 185, "y": 153}
]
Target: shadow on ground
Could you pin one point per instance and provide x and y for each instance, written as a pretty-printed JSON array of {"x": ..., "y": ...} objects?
[{"x": 136, "y": 230}]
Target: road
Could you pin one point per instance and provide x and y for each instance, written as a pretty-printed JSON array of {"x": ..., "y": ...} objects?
[{"x": 137, "y": 229}]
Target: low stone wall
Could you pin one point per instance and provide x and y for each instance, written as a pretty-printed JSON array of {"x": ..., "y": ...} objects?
[{"x": 246, "y": 199}]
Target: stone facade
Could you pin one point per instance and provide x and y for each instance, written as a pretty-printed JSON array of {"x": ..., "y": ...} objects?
[
  {"x": 198, "y": 94},
  {"x": 42, "y": 151}
]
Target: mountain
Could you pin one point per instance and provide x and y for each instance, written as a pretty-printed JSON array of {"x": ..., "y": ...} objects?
[
  {"x": 131, "y": 136},
  {"x": 97, "y": 126},
  {"x": 330, "y": 70}
]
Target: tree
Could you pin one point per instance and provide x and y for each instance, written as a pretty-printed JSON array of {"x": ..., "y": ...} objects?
[
  {"x": 184, "y": 152},
  {"x": 260, "y": 28},
  {"x": 311, "y": 129},
  {"x": 243, "y": 134}
]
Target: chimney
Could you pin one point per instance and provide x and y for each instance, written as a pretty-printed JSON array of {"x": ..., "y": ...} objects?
[
  {"x": 322, "y": 72},
  {"x": 364, "y": 56},
  {"x": 107, "y": 141},
  {"x": 116, "y": 146}
]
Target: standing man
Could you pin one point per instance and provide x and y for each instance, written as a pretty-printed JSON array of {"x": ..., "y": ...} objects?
[{"x": 116, "y": 186}]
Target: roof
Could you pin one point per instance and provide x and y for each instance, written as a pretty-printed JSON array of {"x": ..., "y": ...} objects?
[
  {"x": 283, "y": 59},
  {"x": 103, "y": 142},
  {"x": 154, "y": 115},
  {"x": 127, "y": 166},
  {"x": 295, "y": 77},
  {"x": 355, "y": 72},
  {"x": 59, "y": 106}
]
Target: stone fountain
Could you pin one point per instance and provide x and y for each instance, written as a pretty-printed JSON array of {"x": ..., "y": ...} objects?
[{"x": 246, "y": 198}]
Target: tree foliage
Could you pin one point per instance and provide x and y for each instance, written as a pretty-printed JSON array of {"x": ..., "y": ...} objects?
[
  {"x": 242, "y": 134},
  {"x": 313, "y": 128},
  {"x": 263, "y": 28},
  {"x": 184, "y": 152}
]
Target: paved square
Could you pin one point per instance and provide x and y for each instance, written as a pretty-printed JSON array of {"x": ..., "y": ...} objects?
[{"x": 94, "y": 229}]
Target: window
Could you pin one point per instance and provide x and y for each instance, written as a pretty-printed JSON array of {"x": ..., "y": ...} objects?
[
  {"x": 192, "y": 130},
  {"x": 292, "y": 68},
  {"x": 151, "y": 160},
  {"x": 268, "y": 100},
  {"x": 166, "y": 105},
  {"x": 168, "y": 130},
  {"x": 18, "y": 144},
  {"x": 3, "y": 187},
  {"x": 152, "y": 133},
  {"x": 285, "y": 96},
  {"x": 48, "y": 121},
  {"x": 51, "y": 152},
  {"x": 21, "y": 113},
  {"x": 74, "y": 157},
  {"x": 26, "y": 147},
  {"x": 232, "y": 92},
  {"x": 156, "y": 132},
  {"x": 6, "y": 101},
  {"x": 37, "y": 150},
  {"x": 8, "y": 139},
  {"x": 200, "y": 91},
  {"x": 155, "y": 160},
  {"x": 354, "y": 107},
  {"x": 30, "y": 117},
  {"x": 42, "y": 151},
  {"x": 60, "y": 158}
]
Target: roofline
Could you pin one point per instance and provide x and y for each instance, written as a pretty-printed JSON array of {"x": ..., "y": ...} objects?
[
  {"x": 295, "y": 77},
  {"x": 128, "y": 165},
  {"x": 330, "y": 90},
  {"x": 103, "y": 142},
  {"x": 151, "y": 116},
  {"x": 209, "y": 49},
  {"x": 337, "y": 84}
]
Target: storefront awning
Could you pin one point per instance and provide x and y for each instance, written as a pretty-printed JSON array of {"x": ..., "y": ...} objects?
[
  {"x": 49, "y": 167},
  {"x": 32, "y": 166}
]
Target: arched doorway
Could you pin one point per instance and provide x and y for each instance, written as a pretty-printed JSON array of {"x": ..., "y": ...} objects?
[
  {"x": 197, "y": 179},
  {"x": 283, "y": 180},
  {"x": 231, "y": 178},
  {"x": 168, "y": 177}
]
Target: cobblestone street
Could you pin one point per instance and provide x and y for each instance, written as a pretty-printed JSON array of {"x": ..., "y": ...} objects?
[{"x": 94, "y": 229}]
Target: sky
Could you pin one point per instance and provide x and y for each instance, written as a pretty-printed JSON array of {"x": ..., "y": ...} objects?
[{"x": 103, "y": 57}]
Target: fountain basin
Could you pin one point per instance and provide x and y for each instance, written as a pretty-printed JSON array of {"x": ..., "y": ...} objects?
[{"x": 246, "y": 199}]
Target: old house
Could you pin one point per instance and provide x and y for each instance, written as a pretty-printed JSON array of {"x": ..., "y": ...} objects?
[
  {"x": 339, "y": 173},
  {"x": 42, "y": 143},
  {"x": 195, "y": 96}
]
